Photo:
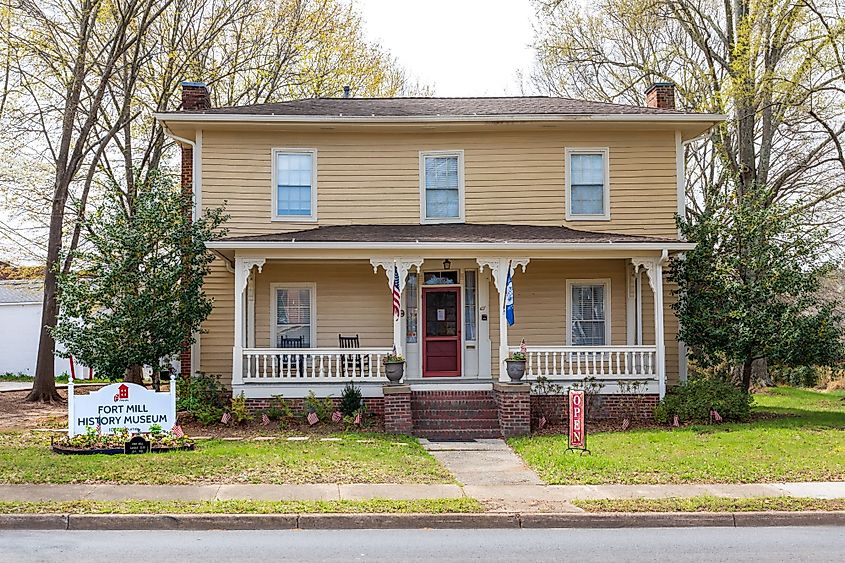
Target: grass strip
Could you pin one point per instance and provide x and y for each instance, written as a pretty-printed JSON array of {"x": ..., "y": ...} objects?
[
  {"x": 711, "y": 504},
  {"x": 428, "y": 506}
]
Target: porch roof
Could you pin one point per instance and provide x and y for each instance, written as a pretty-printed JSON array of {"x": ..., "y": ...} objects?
[{"x": 419, "y": 235}]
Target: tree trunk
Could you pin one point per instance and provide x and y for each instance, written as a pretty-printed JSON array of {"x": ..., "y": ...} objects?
[
  {"x": 157, "y": 380},
  {"x": 134, "y": 374},
  {"x": 747, "y": 368},
  {"x": 44, "y": 386}
]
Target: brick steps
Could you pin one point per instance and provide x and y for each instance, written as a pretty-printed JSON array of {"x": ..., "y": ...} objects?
[{"x": 455, "y": 415}]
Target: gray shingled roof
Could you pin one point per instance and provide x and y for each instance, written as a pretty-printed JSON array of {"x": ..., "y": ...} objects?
[
  {"x": 432, "y": 107},
  {"x": 455, "y": 232},
  {"x": 21, "y": 291}
]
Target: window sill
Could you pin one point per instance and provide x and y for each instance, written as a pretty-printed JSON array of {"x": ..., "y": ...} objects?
[
  {"x": 588, "y": 217},
  {"x": 294, "y": 219},
  {"x": 442, "y": 220}
]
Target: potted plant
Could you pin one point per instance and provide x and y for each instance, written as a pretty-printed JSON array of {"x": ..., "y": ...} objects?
[
  {"x": 516, "y": 363},
  {"x": 394, "y": 367}
]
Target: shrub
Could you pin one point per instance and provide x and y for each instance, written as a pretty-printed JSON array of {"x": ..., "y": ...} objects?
[
  {"x": 350, "y": 399},
  {"x": 208, "y": 415},
  {"x": 199, "y": 392},
  {"x": 797, "y": 376},
  {"x": 238, "y": 410},
  {"x": 692, "y": 402},
  {"x": 279, "y": 409},
  {"x": 323, "y": 407}
]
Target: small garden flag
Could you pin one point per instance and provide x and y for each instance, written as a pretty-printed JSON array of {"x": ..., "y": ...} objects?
[
  {"x": 358, "y": 419},
  {"x": 336, "y": 417},
  {"x": 509, "y": 297},
  {"x": 99, "y": 429},
  {"x": 227, "y": 418},
  {"x": 715, "y": 415},
  {"x": 313, "y": 418},
  {"x": 177, "y": 431},
  {"x": 265, "y": 420},
  {"x": 626, "y": 423},
  {"x": 675, "y": 421},
  {"x": 542, "y": 422}
]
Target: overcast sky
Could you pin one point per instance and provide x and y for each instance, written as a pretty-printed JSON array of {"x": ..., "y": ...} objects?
[{"x": 461, "y": 47}]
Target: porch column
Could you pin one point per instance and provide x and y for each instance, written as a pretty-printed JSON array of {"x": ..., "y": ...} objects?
[
  {"x": 654, "y": 270},
  {"x": 403, "y": 265},
  {"x": 243, "y": 270},
  {"x": 499, "y": 271}
]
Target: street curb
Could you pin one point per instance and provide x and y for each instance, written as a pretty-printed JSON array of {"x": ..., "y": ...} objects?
[{"x": 335, "y": 521}]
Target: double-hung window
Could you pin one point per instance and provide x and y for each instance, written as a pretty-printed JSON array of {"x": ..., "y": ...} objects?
[
  {"x": 442, "y": 186},
  {"x": 588, "y": 306},
  {"x": 295, "y": 197},
  {"x": 587, "y": 184},
  {"x": 293, "y": 310}
]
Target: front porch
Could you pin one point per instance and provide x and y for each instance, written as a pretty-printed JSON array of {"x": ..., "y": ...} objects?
[{"x": 305, "y": 325}]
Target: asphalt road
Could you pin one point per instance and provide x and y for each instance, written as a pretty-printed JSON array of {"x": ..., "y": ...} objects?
[{"x": 654, "y": 544}]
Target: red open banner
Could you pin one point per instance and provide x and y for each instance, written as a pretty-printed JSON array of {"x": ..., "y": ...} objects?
[{"x": 576, "y": 419}]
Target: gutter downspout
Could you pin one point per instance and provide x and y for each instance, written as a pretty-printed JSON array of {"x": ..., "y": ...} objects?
[{"x": 194, "y": 166}]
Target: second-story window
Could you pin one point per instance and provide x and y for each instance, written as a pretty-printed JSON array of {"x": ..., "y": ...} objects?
[
  {"x": 296, "y": 192},
  {"x": 442, "y": 186},
  {"x": 587, "y": 184}
]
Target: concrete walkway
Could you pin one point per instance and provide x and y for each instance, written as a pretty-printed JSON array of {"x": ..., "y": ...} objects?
[
  {"x": 518, "y": 493},
  {"x": 483, "y": 463}
]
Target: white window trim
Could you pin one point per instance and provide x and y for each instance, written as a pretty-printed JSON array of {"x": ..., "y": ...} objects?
[
  {"x": 273, "y": 311},
  {"x": 605, "y": 151},
  {"x": 461, "y": 211},
  {"x": 607, "y": 310},
  {"x": 274, "y": 188}
]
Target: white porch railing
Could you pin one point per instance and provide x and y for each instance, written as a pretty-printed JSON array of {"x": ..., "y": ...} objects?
[
  {"x": 601, "y": 362},
  {"x": 313, "y": 364}
]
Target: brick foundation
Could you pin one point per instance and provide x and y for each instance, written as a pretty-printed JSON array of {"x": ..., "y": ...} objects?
[
  {"x": 374, "y": 405},
  {"x": 398, "y": 418},
  {"x": 599, "y": 407},
  {"x": 514, "y": 405}
]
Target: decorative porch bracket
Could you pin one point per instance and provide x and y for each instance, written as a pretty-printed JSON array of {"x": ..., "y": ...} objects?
[
  {"x": 243, "y": 270},
  {"x": 654, "y": 270},
  {"x": 403, "y": 265},
  {"x": 499, "y": 270}
]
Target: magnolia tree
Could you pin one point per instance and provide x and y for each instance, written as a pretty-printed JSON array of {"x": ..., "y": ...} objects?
[
  {"x": 137, "y": 288},
  {"x": 752, "y": 288}
]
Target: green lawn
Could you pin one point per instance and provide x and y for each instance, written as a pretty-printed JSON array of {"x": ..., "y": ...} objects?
[
  {"x": 710, "y": 504},
  {"x": 26, "y": 458},
  {"x": 429, "y": 506},
  {"x": 807, "y": 443}
]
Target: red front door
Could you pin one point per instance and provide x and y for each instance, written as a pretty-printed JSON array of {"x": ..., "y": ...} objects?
[{"x": 441, "y": 331}]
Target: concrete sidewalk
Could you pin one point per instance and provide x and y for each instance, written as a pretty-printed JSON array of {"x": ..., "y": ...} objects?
[{"x": 506, "y": 493}]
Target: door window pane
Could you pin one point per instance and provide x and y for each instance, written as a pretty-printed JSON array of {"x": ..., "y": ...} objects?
[
  {"x": 411, "y": 309},
  {"x": 587, "y": 184},
  {"x": 469, "y": 305},
  {"x": 294, "y": 179},
  {"x": 441, "y": 313},
  {"x": 293, "y": 317},
  {"x": 588, "y": 315},
  {"x": 442, "y": 187}
]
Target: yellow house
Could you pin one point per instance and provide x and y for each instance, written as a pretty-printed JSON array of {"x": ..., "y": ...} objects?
[{"x": 360, "y": 227}]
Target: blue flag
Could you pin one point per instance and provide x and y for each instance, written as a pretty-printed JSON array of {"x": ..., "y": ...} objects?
[{"x": 509, "y": 298}]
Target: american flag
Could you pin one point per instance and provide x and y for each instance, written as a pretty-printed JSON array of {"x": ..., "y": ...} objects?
[
  {"x": 626, "y": 423},
  {"x": 542, "y": 422},
  {"x": 336, "y": 417},
  {"x": 522, "y": 347},
  {"x": 227, "y": 418},
  {"x": 397, "y": 295},
  {"x": 99, "y": 429},
  {"x": 313, "y": 418},
  {"x": 716, "y": 416},
  {"x": 265, "y": 420},
  {"x": 676, "y": 422},
  {"x": 358, "y": 419},
  {"x": 177, "y": 431}
]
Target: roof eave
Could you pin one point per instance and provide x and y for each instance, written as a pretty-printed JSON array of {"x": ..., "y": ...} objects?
[
  {"x": 186, "y": 117},
  {"x": 506, "y": 246}
]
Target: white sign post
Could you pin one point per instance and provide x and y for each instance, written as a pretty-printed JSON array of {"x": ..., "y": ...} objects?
[{"x": 121, "y": 405}]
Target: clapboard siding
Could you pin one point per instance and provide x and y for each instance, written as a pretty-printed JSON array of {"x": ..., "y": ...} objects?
[{"x": 513, "y": 177}]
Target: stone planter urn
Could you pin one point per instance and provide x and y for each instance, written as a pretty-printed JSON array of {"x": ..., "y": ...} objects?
[
  {"x": 394, "y": 370},
  {"x": 516, "y": 369}
]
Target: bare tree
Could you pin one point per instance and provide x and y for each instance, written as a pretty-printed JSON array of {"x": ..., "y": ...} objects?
[{"x": 777, "y": 68}]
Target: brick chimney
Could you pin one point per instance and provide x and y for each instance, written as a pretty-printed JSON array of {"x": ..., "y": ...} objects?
[
  {"x": 195, "y": 96},
  {"x": 660, "y": 95}
]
